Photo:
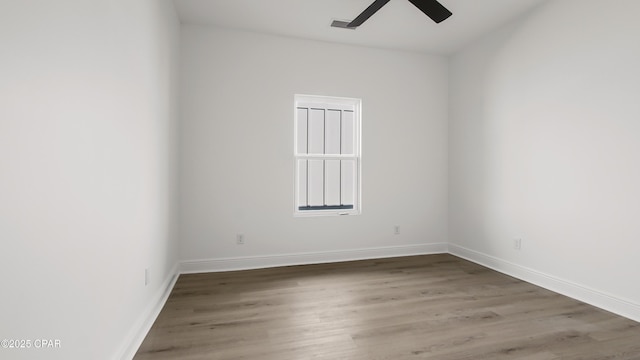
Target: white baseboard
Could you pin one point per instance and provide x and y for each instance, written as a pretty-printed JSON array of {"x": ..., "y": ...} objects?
[
  {"x": 143, "y": 324},
  {"x": 585, "y": 294},
  {"x": 261, "y": 262}
]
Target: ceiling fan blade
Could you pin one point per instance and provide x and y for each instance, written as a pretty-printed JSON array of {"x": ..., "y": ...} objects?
[
  {"x": 367, "y": 13},
  {"x": 433, "y": 9}
]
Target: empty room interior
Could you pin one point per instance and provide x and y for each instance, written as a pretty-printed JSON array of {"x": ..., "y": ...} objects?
[{"x": 217, "y": 179}]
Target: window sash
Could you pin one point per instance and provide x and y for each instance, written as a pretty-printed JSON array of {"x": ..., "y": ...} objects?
[
  {"x": 327, "y": 184},
  {"x": 314, "y": 130}
]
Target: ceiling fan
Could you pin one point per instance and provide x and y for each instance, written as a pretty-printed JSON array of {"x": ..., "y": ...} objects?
[{"x": 431, "y": 8}]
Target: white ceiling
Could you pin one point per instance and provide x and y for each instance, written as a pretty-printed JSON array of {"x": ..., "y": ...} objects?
[{"x": 398, "y": 25}]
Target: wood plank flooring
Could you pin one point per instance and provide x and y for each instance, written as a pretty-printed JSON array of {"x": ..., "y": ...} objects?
[{"x": 419, "y": 307}]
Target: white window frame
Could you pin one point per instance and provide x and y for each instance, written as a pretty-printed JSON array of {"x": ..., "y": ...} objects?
[{"x": 329, "y": 102}]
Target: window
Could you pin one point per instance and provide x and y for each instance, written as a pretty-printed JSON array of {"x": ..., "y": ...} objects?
[{"x": 327, "y": 155}]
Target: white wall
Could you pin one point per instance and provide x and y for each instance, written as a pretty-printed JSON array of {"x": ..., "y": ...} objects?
[
  {"x": 544, "y": 145},
  {"x": 87, "y": 164},
  {"x": 237, "y": 95}
]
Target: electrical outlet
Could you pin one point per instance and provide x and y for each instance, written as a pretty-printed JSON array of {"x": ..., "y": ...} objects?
[
  {"x": 517, "y": 244},
  {"x": 147, "y": 277},
  {"x": 240, "y": 239},
  {"x": 396, "y": 230}
]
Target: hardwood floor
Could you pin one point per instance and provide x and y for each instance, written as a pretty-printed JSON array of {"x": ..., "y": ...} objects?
[{"x": 420, "y": 307}]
